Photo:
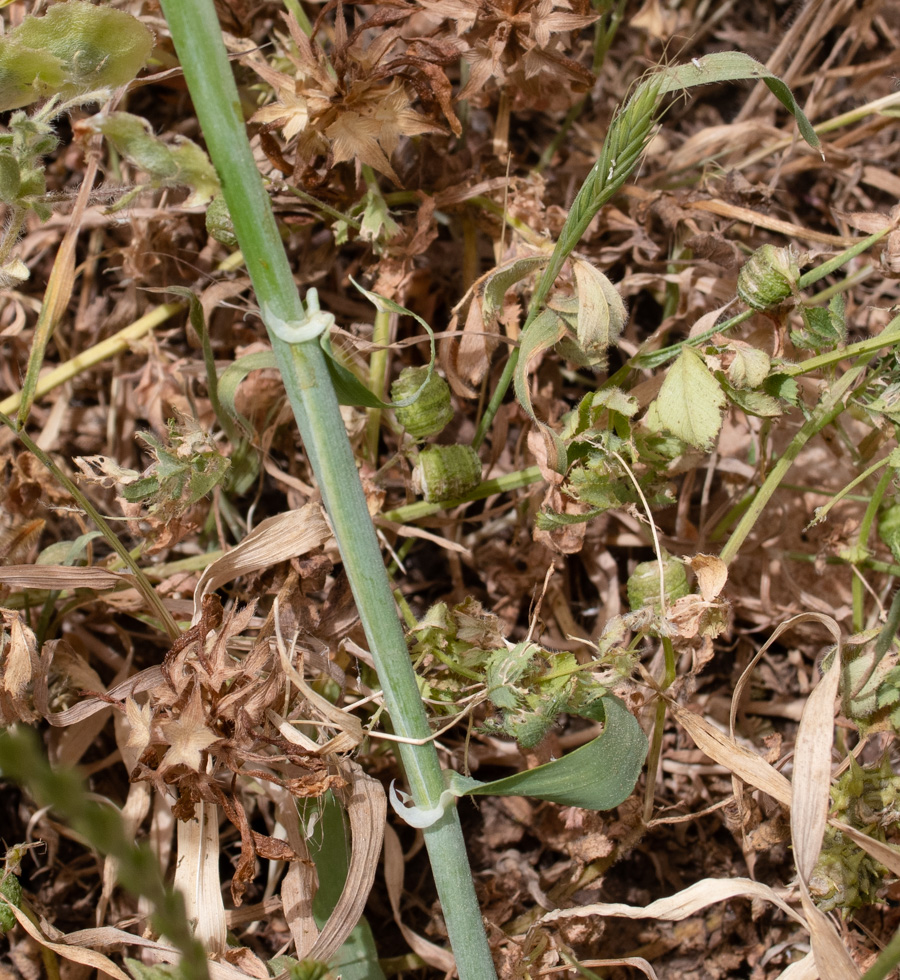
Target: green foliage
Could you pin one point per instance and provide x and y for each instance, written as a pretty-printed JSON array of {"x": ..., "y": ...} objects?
[
  {"x": 153, "y": 971},
  {"x": 690, "y": 402},
  {"x": 769, "y": 277},
  {"x": 598, "y": 776},
  {"x": 446, "y": 472},
  {"x": 74, "y": 50},
  {"x": 431, "y": 411},
  {"x": 527, "y": 686},
  {"x": 219, "y": 223},
  {"x": 180, "y": 164},
  {"x": 889, "y": 696},
  {"x": 22, "y": 148},
  {"x": 644, "y": 585},
  {"x": 11, "y": 892},
  {"x": 823, "y": 329},
  {"x": 868, "y": 798},
  {"x": 889, "y": 529},
  {"x": 183, "y": 472},
  {"x": 302, "y": 969}
]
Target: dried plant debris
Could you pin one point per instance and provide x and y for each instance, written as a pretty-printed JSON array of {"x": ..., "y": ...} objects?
[{"x": 643, "y": 483}]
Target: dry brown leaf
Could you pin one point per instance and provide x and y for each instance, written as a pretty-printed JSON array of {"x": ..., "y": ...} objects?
[
  {"x": 275, "y": 539},
  {"x": 711, "y": 572},
  {"x": 60, "y": 577},
  {"x": 197, "y": 876},
  {"x": 745, "y": 764},
  {"x": 366, "y": 804},
  {"x": 188, "y": 735},
  {"x": 683, "y": 904},
  {"x": 75, "y": 953}
]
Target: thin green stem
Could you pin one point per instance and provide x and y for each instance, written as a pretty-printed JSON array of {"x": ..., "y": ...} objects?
[
  {"x": 500, "y": 484},
  {"x": 628, "y": 135},
  {"x": 888, "y": 958},
  {"x": 659, "y": 725},
  {"x": 827, "y": 411},
  {"x": 378, "y": 368},
  {"x": 873, "y": 344},
  {"x": 822, "y": 512},
  {"x": 198, "y": 42}
]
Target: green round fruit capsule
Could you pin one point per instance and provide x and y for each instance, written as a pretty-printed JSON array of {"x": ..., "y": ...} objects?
[
  {"x": 768, "y": 277},
  {"x": 643, "y": 583},
  {"x": 431, "y": 410},
  {"x": 446, "y": 472}
]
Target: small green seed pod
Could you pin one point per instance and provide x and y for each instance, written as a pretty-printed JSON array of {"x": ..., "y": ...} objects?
[
  {"x": 219, "y": 224},
  {"x": 10, "y": 894},
  {"x": 768, "y": 277},
  {"x": 431, "y": 411},
  {"x": 446, "y": 472},
  {"x": 643, "y": 584}
]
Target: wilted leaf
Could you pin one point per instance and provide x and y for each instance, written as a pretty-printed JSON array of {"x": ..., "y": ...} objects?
[
  {"x": 601, "y": 312},
  {"x": 543, "y": 333},
  {"x": 711, "y": 572},
  {"x": 188, "y": 735}
]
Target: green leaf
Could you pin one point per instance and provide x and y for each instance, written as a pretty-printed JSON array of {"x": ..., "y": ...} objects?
[
  {"x": 234, "y": 374},
  {"x": 783, "y": 386},
  {"x": 377, "y": 225},
  {"x": 752, "y": 402},
  {"x": 496, "y": 283},
  {"x": 690, "y": 402},
  {"x": 75, "y": 48},
  {"x": 597, "y": 776},
  {"x": 730, "y": 66},
  {"x": 182, "y": 164}
]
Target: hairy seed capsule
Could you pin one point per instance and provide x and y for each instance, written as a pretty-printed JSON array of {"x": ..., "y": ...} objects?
[
  {"x": 446, "y": 472},
  {"x": 431, "y": 411},
  {"x": 768, "y": 277},
  {"x": 643, "y": 584}
]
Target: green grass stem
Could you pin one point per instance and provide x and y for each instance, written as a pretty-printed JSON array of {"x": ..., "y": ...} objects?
[
  {"x": 629, "y": 133},
  {"x": 198, "y": 42}
]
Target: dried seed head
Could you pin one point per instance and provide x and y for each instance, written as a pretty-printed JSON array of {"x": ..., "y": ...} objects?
[
  {"x": 446, "y": 472},
  {"x": 643, "y": 584},
  {"x": 431, "y": 411},
  {"x": 769, "y": 277}
]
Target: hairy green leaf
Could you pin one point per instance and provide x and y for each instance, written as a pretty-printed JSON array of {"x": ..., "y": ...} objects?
[{"x": 690, "y": 402}]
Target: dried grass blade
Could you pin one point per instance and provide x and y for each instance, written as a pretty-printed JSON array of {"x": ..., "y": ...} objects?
[
  {"x": 76, "y": 954},
  {"x": 804, "y": 969},
  {"x": 60, "y": 577},
  {"x": 809, "y": 814},
  {"x": 300, "y": 882},
  {"x": 197, "y": 876},
  {"x": 683, "y": 904},
  {"x": 750, "y": 767},
  {"x": 273, "y": 540},
  {"x": 58, "y": 292},
  {"x": 366, "y": 805}
]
